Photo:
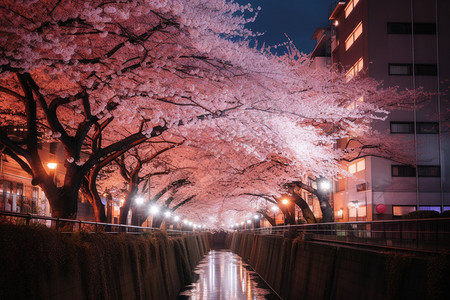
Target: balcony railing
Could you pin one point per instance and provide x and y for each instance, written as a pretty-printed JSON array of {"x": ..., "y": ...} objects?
[
  {"x": 420, "y": 234},
  {"x": 69, "y": 225}
]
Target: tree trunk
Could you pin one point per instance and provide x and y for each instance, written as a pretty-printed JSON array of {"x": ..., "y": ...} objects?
[
  {"x": 271, "y": 220},
  {"x": 327, "y": 211},
  {"x": 306, "y": 211}
]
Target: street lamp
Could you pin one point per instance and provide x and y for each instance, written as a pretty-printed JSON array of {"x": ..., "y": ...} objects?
[
  {"x": 139, "y": 200},
  {"x": 154, "y": 209},
  {"x": 285, "y": 201},
  {"x": 52, "y": 165},
  {"x": 324, "y": 185}
]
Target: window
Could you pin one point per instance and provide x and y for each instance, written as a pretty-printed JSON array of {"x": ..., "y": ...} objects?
[
  {"x": 356, "y": 103},
  {"x": 407, "y": 28},
  {"x": 435, "y": 208},
  {"x": 425, "y": 69},
  {"x": 424, "y": 28},
  {"x": 428, "y": 127},
  {"x": 419, "y": 69},
  {"x": 402, "y": 127},
  {"x": 421, "y": 127},
  {"x": 355, "y": 69},
  {"x": 403, "y": 171},
  {"x": 357, "y": 166},
  {"x": 423, "y": 171},
  {"x": 400, "y": 210},
  {"x": 53, "y": 147},
  {"x": 349, "y": 8},
  {"x": 400, "y": 69},
  {"x": 429, "y": 171},
  {"x": 399, "y": 28},
  {"x": 353, "y": 36}
]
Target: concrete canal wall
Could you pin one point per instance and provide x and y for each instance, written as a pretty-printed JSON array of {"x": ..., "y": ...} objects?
[
  {"x": 298, "y": 269},
  {"x": 38, "y": 263}
]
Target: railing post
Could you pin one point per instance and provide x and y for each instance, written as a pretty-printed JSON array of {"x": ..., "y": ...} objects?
[
  {"x": 79, "y": 225},
  {"x": 28, "y": 219}
]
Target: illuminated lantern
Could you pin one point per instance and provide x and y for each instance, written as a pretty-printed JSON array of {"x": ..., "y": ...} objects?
[{"x": 380, "y": 208}]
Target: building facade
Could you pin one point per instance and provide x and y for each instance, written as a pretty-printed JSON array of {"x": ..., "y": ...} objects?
[{"x": 403, "y": 43}]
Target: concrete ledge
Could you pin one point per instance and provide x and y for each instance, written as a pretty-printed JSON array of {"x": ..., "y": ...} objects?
[{"x": 298, "y": 269}]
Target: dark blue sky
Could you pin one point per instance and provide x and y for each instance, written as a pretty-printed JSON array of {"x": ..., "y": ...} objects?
[{"x": 297, "y": 18}]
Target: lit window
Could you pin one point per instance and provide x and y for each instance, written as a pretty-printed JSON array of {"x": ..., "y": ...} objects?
[
  {"x": 356, "y": 103},
  {"x": 352, "y": 168},
  {"x": 353, "y": 36},
  {"x": 360, "y": 165},
  {"x": 349, "y": 8},
  {"x": 355, "y": 69},
  {"x": 400, "y": 210},
  {"x": 357, "y": 166}
]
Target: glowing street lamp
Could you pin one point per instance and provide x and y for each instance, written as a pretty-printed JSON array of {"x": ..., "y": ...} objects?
[
  {"x": 52, "y": 165},
  {"x": 139, "y": 200},
  {"x": 324, "y": 185},
  {"x": 285, "y": 201},
  {"x": 154, "y": 209},
  {"x": 167, "y": 213},
  {"x": 176, "y": 218}
]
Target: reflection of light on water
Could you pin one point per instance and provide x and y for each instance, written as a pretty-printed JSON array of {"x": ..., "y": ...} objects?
[{"x": 222, "y": 275}]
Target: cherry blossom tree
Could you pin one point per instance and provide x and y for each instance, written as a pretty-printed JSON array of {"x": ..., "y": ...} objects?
[{"x": 102, "y": 77}]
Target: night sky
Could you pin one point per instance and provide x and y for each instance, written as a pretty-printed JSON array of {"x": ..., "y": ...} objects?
[{"x": 297, "y": 18}]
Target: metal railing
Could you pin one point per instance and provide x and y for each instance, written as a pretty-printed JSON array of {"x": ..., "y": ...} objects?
[
  {"x": 420, "y": 234},
  {"x": 70, "y": 225}
]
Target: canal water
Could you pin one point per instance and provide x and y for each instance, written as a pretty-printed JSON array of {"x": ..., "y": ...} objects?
[{"x": 221, "y": 275}]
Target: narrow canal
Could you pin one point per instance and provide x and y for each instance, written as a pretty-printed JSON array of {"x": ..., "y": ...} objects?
[{"x": 221, "y": 275}]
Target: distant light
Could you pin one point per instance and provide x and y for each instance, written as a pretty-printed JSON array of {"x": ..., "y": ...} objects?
[
  {"x": 167, "y": 213},
  {"x": 242, "y": 223},
  {"x": 52, "y": 165},
  {"x": 324, "y": 185},
  {"x": 256, "y": 217},
  {"x": 249, "y": 221},
  {"x": 285, "y": 201},
  {"x": 336, "y": 23},
  {"x": 154, "y": 209},
  {"x": 275, "y": 208},
  {"x": 185, "y": 221},
  {"x": 176, "y": 218},
  {"x": 139, "y": 200}
]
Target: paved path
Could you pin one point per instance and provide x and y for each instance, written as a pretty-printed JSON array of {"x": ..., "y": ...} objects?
[{"x": 223, "y": 276}]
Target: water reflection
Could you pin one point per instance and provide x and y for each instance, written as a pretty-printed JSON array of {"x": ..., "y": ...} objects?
[{"x": 223, "y": 275}]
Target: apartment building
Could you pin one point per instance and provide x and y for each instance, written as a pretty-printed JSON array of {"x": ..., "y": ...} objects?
[{"x": 403, "y": 43}]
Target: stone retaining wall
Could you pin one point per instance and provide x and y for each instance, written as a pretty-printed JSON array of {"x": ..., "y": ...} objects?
[
  {"x": 298, "y": 269},
  {"x": 38, "y": 263}
]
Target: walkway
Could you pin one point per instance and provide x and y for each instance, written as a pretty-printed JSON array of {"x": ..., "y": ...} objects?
[{"x": 223, "y": 276}]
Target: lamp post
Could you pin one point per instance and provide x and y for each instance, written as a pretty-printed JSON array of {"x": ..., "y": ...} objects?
[
  {"x": 52, "y": 167},
  {"x": 275, "y": 209}
]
